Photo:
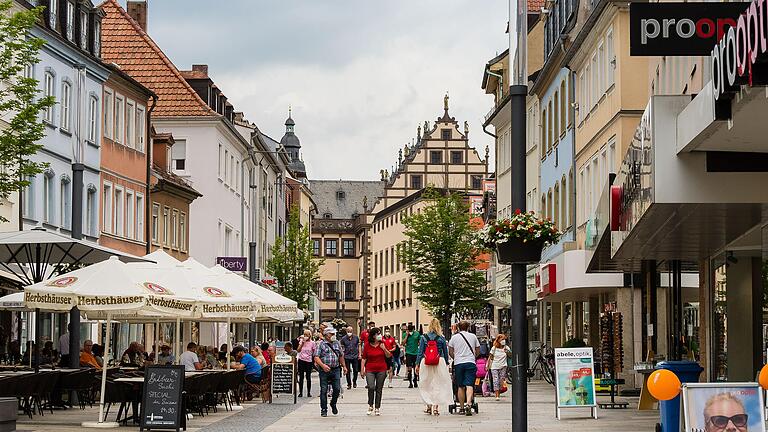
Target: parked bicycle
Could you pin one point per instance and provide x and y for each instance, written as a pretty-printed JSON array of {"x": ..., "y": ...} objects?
[{"x": 544, "y": 363}]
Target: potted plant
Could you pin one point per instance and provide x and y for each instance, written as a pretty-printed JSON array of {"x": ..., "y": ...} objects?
[{"x": 519, "y": 239}]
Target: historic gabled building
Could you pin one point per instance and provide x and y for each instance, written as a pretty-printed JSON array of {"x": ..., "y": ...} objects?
[
  {"x": 341, "y": 236},
  {"x": 441, "y": 158}
]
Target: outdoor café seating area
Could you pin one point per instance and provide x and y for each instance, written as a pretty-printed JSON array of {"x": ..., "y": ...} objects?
[{"x": 51, "y": 390}]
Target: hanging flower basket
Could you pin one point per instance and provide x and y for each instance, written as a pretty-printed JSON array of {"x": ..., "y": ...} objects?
[
  {"x": 519, "y": 239},
  {"x": 515, "y": 251}
]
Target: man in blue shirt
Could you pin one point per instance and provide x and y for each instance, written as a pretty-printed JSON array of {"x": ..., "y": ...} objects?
[{"x": 247, "y": 362}]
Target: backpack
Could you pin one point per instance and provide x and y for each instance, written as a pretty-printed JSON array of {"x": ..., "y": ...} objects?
[
  {"x": 484, "y": 350},
  {"x": 431, "y": 353}
]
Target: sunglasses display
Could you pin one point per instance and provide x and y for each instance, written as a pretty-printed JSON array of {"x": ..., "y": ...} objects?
[{"x": 721, "y": 422}]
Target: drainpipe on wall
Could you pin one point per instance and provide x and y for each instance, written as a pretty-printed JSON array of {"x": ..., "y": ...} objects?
[{"x": 147, "y": 200}]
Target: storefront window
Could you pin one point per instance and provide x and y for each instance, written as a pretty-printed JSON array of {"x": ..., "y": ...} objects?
[{"x": 719, "y": 324}]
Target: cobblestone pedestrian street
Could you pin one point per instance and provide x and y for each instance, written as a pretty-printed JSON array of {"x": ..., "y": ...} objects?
[{"x": 402, "y": 411}]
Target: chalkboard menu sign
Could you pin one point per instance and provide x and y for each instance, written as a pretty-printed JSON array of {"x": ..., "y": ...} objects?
[
  {"x": 283, "y": 378},
  {"x": 162, "y": 406}
]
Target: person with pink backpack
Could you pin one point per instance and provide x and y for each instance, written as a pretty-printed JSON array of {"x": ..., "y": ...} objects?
[{"x": 432, "y": 367}]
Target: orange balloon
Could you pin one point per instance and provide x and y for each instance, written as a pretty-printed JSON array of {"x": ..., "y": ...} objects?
[
  {"x": 763, "y": 377},
  {"x": 663, "y": 384}
]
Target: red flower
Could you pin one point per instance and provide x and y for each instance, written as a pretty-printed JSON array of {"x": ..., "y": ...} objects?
[{"x": 517, "y": 211}]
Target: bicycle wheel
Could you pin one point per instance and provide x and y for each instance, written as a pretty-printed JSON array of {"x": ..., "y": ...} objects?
[{"x": 547, "y": 373}]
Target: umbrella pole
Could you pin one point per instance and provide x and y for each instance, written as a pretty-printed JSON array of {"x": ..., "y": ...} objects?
[
  {"x": 229, "y": 340},
  {"x": 157, "y": 338},
  {"x": 102, "y": 423},
  {"x": 178, "y": 337},
  {"x": 36, "y": 351}
]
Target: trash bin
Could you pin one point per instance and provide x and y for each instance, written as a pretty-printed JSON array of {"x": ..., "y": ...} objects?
[{"x": 669, "y": 411}]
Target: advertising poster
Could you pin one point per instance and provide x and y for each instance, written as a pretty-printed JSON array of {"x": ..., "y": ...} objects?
[
  {"x": 574, "y": 370},
  {"x": 723, "y": 407}
]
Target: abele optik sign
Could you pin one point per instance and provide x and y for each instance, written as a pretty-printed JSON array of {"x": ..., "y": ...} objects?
[{"x": 680, "y": 29}]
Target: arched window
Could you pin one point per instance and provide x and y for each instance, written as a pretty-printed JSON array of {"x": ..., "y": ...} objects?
[
  {"x": 571, "y": 198},
  {"x": 563, "y": 107},
  {"x": 564, "y": 201},
  {"x": 556, "y": 120},
  {"x": 549, "y": 204},
  {"x": 556, "y": 211},
  {"x": 543, "y": 208}
]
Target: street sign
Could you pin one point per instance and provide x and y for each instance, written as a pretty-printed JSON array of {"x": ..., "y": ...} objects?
[{"x": 235, "y": 264}]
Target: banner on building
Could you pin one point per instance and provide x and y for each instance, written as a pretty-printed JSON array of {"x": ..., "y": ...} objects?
[
  {"x": 575, "y": 379},
  {"x": 723, "y": 407}
]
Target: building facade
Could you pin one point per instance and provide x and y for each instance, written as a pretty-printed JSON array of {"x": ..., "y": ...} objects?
[
  {"x": 341, "y": 236},
  {"x": 441, "y": 158},
  {"x": 125, "y": 165}
]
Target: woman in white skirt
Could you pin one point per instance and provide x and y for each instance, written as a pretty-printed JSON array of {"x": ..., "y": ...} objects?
[{"x": 434, "y": 379}]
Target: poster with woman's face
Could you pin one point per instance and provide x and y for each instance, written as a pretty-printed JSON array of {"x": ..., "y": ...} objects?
[{"x": 723, "y": 407}]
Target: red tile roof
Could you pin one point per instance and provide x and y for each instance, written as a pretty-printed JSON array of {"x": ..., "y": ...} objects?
[{"x": 126, "y": 44}]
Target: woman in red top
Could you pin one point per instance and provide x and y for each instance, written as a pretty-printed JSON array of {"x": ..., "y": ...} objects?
[{"x": 374, "y": 369}]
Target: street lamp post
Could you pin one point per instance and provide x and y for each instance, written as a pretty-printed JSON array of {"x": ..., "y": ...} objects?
[
  {"x": 518, "y": 32},
  {"x": 338, "y": 283}
]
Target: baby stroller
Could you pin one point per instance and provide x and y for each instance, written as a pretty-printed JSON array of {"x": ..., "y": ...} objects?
[{"x": 453, "y": 408}]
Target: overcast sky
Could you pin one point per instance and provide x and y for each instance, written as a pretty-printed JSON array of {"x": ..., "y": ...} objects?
[{"x": 360, "y": 75}]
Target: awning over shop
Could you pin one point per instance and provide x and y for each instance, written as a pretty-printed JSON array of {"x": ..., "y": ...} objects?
[{"x": 665, "y": 205}]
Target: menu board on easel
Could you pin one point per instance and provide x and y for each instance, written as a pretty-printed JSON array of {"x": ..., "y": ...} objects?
[
  {"x": 161, "y": 406},
  {"x": 284, "y": 378}
]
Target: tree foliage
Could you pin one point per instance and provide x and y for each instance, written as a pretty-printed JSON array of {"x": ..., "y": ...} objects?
[
  {"x": 441, "y": 257},
  {"x": 293, "y": 264},
  {"x": 20, "y": 106}
]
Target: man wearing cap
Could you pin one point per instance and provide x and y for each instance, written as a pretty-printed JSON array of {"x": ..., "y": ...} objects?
[
  {"x": 165, "y": 357},
  {"x": 329, "y": 358}
]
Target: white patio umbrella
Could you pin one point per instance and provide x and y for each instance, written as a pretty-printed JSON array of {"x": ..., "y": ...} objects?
[
  {"x": 110, "y": 288},
  {"x": 270, "y": 306}
]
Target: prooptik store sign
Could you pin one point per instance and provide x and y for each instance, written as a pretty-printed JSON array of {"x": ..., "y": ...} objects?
[
  {"x": 680, "y": 29},
  {"x": 739, "y": 56}
]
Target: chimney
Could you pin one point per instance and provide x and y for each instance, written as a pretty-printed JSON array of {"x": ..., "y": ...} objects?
[
  {"x": 137, "y": 9},
  {"x": 200, "y": 68}
]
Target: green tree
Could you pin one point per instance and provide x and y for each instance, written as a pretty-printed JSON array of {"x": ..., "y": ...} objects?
[
  {"x": 19, "y": 102},
  {"x": 441, "y": 258},
  {"x": 293, "y": 264}
]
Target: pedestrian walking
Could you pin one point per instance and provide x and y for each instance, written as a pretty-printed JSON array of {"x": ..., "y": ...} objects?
[
  {"x": 497, "y": 357},
  {"x": 397, "y": 360},
  {"x": 364, "y": 333},
  {"x": 464, "y": 349},
  {"x": 374, "y": 367},
  {"x": 411, "y": 343},
  {"x": 432, "y": 367},
  {"x": 351, "y": 345},
  {"x": 329, "y": 357},
  {"x": 390, "y": 344},
  {"x": 306, "y": 350}
]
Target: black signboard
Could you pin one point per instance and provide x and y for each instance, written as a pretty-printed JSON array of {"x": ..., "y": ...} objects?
[
  {"x": 162, "y": 406},
  {"x": 283, "y": 379},
  {"x": 679, "y": 29}
]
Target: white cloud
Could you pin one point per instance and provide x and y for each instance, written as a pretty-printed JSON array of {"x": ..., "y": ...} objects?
[{"x": 360, "y": 80}]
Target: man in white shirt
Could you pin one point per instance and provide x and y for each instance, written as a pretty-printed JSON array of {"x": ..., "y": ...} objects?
[
  {"x": 64, "y": 349},
  {"x": 464, "y": 349},
  {"x": 189, "y": 358}
]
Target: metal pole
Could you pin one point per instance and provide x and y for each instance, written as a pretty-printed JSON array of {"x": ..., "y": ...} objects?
[
  {"x": 338, "y": 282},
  {"x": 178, "y": 338},
  {"x": 104, "y": 368},
  {"x": 518, "y": 90},
  {"x": 253, "y": 278},
  {"x": 229, "y": 339}
]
